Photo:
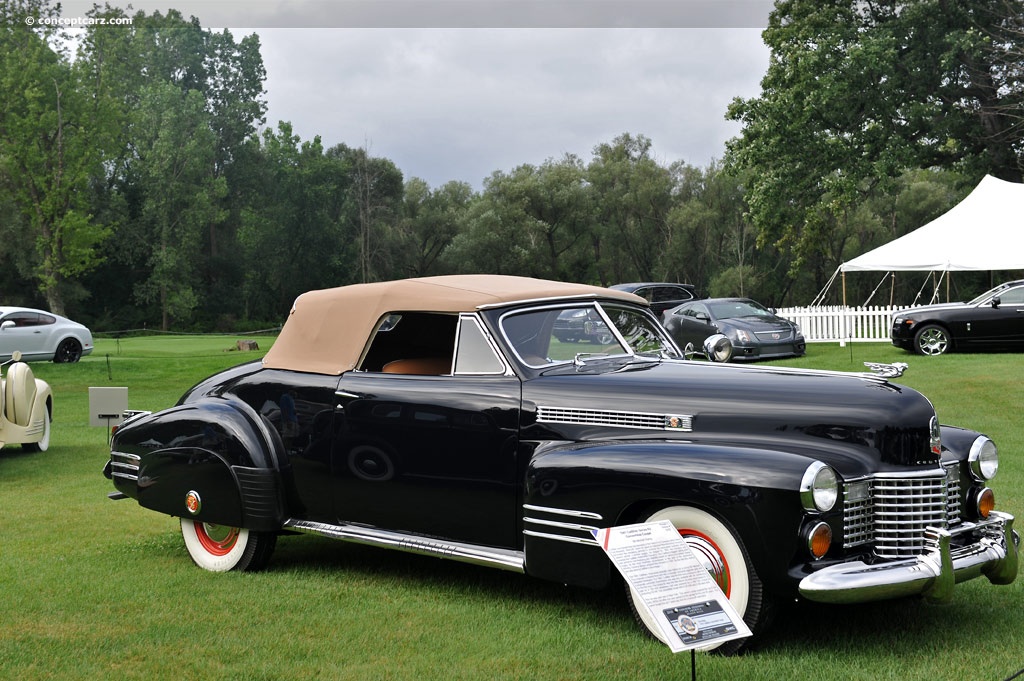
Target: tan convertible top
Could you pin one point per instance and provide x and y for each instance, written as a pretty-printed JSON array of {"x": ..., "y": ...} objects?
[{"x": 326, "y": 330}]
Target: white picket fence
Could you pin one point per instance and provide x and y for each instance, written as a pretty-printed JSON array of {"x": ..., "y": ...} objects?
[{"x": 838, "y": 323}]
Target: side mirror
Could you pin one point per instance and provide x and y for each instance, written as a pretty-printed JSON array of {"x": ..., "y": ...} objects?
[
  {"x": 718, "y": 348},
  {"x": 996, "y": 302},
  {"x": 9, "y": 324},
  {"x": 16, "y": 356}
]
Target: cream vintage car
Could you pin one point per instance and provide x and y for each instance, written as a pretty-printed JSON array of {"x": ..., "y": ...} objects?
[{"x": 26, "y": 406}]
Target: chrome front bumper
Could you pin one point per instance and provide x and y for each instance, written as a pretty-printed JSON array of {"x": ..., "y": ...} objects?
[{"x": 933, "y": 574}]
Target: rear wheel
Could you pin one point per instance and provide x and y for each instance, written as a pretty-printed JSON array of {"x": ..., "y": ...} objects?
[
  {"x": 722, "y": 553},
  {"x": 69, "y": 350},
  {"x": 220, "y": 548},
  {"x": 932, "y": 339}
]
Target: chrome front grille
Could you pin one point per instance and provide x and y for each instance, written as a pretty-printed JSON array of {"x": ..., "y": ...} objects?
[
  {"x": 124, "y": 465},
  {"x": 893, "y": 512},
  {"x": 774, "y": 336}
]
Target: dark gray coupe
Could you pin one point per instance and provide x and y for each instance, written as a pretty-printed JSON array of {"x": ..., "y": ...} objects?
[{"x": 755, "y": 331}]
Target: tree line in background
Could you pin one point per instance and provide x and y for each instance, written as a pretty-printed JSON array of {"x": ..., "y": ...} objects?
[{"x": 139, "y": 186}]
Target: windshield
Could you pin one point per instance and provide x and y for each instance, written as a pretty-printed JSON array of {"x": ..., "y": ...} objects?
[
  {"x": 992, "y": 292},
  {"x": 734, "y": 309},
  {"x": 555, "y": 335}
]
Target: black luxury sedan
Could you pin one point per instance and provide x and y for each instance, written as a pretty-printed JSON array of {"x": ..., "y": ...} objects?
[
  {"x": 754, "y": 331},
  {"x": 992, "y": 321},
  {"x": 443, "y": 416}
]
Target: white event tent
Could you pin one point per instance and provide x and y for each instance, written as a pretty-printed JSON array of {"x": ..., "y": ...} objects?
[{"x": 985, "y": 231}]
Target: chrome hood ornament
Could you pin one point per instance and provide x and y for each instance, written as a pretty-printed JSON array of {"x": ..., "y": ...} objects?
[{"x": 894, "y": 370}]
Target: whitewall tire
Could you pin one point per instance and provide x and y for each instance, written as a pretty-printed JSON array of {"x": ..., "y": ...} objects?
[
  {"x": 716, "y": 546},
  {"x": 220, "y": 548}
]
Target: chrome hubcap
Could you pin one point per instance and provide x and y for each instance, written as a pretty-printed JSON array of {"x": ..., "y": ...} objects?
[{"x": 933, "y": 342}]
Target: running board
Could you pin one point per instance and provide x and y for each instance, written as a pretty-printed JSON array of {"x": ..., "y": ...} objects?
[{"x": 504, "y": 559}]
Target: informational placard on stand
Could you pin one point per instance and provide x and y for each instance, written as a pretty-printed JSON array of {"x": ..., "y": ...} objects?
[
  {"x": 107, "y": 406},
  {"x": 678, "y": 592}
]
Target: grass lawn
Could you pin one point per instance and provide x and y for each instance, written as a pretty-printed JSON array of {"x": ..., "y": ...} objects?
[{"x": 97, "y": 589}]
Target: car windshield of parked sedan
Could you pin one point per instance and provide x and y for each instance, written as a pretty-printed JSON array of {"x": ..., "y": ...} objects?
[
  {"x": 1003, "y": 291},
  {"x": 555, "y": 335},
  {"x": 734, "y": 309}
]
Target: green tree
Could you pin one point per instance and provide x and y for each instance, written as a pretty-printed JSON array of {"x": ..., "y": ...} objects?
[
  {"x": 857, "y": 92},
  {"x": 53, "y": 137},
  {"x": 374, "y": 205},
  {"x": 295, "y": 233},
  {"x": 156, "y": 59},
  {"x": 494, "y": 238},
  {"x": 707, "y": 228},
  {"x": 431, "y": 219},
  {"x": 633, "y": 196},
  {"x": 180, "y": 196}
]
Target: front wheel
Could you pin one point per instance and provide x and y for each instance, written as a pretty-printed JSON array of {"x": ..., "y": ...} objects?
[
  {"x": 220, "y": 548},
  {"x": 932, "y": 340},
  {"x": 716, "y": 546}
]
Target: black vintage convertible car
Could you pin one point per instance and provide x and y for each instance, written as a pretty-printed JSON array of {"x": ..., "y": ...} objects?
[
  {"x": 992, "y": 321},
  {"x": 443, "y": 416}
]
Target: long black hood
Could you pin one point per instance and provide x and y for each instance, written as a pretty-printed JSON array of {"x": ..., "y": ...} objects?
[{"x": 855, "y": 423}]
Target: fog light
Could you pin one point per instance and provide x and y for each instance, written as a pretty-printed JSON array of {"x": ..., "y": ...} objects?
[
  {"x": 819, "y": 540},
  {"x": 984, "y": 502}
]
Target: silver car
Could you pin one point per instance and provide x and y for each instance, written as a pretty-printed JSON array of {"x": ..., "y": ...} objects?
[{"x": 41, "y": 335}]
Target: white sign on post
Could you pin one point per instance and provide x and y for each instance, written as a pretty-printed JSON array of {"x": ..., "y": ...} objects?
[
  {"x": 688, "y": 605},
  {"x": 107, "y": 406}
]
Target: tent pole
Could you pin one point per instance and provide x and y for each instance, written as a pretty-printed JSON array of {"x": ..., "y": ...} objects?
[{"x": 892, "y": 289}]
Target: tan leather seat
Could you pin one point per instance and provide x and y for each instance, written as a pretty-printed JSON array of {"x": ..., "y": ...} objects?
[{"x": 422, "y": 366}]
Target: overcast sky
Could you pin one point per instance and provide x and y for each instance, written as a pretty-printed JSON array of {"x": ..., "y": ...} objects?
[{"x": 456, "y": 89}]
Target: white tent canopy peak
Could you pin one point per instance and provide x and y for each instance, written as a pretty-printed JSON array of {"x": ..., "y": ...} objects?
[{"x": 983, "y": 232}]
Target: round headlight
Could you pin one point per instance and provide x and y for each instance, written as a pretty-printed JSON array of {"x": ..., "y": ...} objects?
[
  {"x": 983, "y": 459},
  {"x": 819, "y": 488}
]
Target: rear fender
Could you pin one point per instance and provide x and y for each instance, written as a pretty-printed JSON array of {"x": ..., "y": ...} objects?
[{"x": 214, "y": 460}]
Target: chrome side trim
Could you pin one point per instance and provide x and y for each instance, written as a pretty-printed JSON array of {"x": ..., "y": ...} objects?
[
  {"x": 563, "y": 511},
  {"x": 123, "y": 465},
  {"x": 489, "y": 556},
  {"x": 574, "y": 533},
  {"x": 565, "y": 526},
  {"x": 562, "y": 537}
]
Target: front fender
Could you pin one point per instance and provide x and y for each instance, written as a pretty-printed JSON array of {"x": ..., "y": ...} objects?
[
  {"x": 756, "y": 491},
  {"x": 213, "y": 460}
]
